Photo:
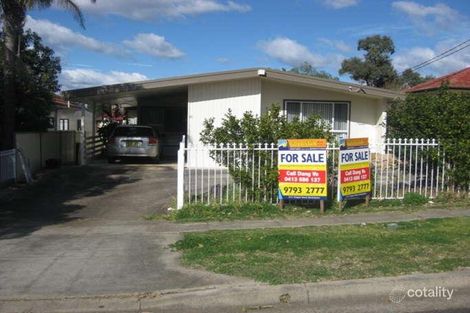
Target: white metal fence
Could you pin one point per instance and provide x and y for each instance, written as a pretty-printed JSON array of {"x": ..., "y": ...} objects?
[
  {"x": 242, "y": 173},
  {"x": 7, "y": 165}
]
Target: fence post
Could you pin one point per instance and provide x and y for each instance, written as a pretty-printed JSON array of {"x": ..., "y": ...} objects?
[
  {"x": 15, "y": 173},
  {"x": 180, "y": 177},
  {"x": 82, "y": 136},
  {"x": 82, "y": 147}
]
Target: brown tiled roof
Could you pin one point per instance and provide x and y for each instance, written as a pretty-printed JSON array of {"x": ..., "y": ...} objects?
[
  {"x": 456, "y": 80},
  {"x": 61, "y": 102}
]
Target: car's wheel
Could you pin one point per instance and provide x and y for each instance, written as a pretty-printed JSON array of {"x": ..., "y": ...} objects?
[
  {"x": 156, "y": 160},
  {"x": 111, "y": 160}
]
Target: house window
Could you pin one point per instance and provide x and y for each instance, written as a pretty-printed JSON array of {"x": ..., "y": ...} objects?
[
  {"x": 79, "y": 125},
  {"x": 334, "y": 113},
  {"x": 64, "y": 124}
]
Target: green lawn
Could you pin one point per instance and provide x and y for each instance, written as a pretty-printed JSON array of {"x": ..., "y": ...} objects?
[{"x": 312, "y": 254}]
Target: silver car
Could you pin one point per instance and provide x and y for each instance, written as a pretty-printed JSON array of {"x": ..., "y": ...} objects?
[{"x": 133, "y": 141}]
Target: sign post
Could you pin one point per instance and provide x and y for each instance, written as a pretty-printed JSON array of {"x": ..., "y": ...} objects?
[
  {"x": 354, "y": 170},
  {"x": 302, "y": 170}
]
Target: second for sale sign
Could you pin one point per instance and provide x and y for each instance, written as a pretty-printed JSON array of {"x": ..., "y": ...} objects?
[{"x": 354, "y": 168}]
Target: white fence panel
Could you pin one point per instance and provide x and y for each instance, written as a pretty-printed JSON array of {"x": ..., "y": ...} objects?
[
  {"x": 398, "y": 166},
  {"x": 409, "y": 165},
  {"x": 7, "y": 165}
]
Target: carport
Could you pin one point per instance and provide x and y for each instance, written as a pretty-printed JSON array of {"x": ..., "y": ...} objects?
[
  {"x": 165, "y": 109},
  {"x": 175, "y": 106}
]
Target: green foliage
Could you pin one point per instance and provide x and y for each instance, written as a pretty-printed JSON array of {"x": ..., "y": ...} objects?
[
  {"x": 447, "y": 197},
  {"x": 267, "y": 128},
  {"x": 375, "y": 69},
  {"x": 443, "y": 115},
  {"x": 229, "y": 211},
  {"x": 36, "y": 81},
  {"x": 251, "y": 130},
  {"x": 410, "y": 78},
  {"x": 307, "y": 69},
  {"x": 412, "y": 198}
]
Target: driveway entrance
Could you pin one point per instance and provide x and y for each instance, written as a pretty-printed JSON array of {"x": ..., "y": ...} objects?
[{"x": 81, "y": 231}]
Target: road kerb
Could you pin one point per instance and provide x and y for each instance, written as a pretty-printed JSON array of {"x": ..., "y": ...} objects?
[{"x": 374, "y": 291}]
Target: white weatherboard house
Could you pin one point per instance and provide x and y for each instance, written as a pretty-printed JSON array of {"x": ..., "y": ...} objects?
[{"x": 178, "y": 106}]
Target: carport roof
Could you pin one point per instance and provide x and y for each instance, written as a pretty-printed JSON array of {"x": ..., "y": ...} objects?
[{"x": 176, "y": 83}]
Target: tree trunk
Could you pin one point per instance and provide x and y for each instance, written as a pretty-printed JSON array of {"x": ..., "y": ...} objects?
[{"x": 13, "y": 21}]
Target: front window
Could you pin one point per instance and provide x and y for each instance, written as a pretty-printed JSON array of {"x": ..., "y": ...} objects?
[
  {"x": 334, "y": 113},
  {"x": 63, "y": 124}
]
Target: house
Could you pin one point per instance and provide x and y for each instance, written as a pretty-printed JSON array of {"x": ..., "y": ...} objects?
[
  {"x": 178, "y": 106},
  {"x": 458, "y": 81},
  {"x": 67, "y": 116}
]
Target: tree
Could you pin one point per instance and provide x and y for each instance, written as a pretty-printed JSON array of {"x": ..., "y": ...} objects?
[
  {"x": 13, "y": 13},
  {"x": 307, "y": 69},
  {"x": 36, "y": 81},
  {"x": 375, "y": 68},
  {"x": 444, "y": 116},
  {"x": 410, "y": 78}
]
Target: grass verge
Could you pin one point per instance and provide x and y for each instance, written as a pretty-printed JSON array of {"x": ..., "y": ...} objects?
[
  {"x": 247, "y": 211},
  {"x": 311, "y": 254}
]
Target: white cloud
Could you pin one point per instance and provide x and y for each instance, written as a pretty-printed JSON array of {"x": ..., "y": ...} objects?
[
  {"x": 63, "y": 38},
  {"x": 416, "y": 55},
  {"x": 429, "y": 18},
  {"x": 222, "y": 60},
  {"x": 139, "y": 64},
  {"x": 154, "y": 45},
  {"x": 82, "y": 78},
  {"x": 337, "y": 44},
  {"x": 290, "y": 52},
  {"x": 155, "y": 9},
  {"x": 340, "y": 4}
]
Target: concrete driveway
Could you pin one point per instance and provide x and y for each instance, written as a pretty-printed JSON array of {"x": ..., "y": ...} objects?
[{"x": 80, "y": 231}]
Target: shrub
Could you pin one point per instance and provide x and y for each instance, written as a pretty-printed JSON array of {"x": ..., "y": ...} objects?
[
  {"x": 412, "y": 198},
  {"x": 443, "y": 115},
  {"x": 251, "y": 130},
  {"x": 202, "y": 212}
]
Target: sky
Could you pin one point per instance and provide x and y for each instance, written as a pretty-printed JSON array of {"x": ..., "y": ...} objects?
[{"x": 132, "y": 40}]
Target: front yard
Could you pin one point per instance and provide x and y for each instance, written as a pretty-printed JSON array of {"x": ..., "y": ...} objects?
[{"x": 310, "y": 254}]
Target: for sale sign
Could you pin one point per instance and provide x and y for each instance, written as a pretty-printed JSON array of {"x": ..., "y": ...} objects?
[
  {"x": 302, "y": 169},
  {"x": 354, "y": 168}
]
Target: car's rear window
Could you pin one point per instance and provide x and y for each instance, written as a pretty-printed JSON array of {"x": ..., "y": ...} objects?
[{"x": 133, "y": 132}]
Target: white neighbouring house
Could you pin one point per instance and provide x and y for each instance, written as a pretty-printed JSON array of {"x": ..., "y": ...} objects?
[
  {"x": 178, "y": 106},
  {"x": 67, "y": 116}
]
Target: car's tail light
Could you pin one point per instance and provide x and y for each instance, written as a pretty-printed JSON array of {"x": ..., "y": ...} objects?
[{"x": 153, "y": 140}]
